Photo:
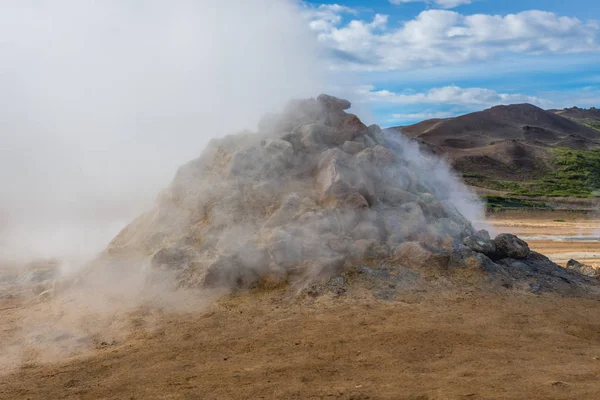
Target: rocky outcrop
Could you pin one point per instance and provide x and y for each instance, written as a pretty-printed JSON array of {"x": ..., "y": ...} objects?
[{"x": 312, "y": 193}]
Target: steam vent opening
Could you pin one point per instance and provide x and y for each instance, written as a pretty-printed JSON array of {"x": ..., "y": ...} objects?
[{"x": 316, "y": 197}]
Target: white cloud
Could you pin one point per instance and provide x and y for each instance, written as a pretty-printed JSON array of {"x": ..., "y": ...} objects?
[
  {"x": 443, "y": 37},
  {"x": 326, "y": 16},
  {"x": 440, "y": 3},
  {"x": 448, "y": 95}
]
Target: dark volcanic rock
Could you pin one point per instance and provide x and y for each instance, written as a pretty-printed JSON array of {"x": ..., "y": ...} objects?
[
  {"x": 539, "y": 270},
  {"x": 480, "y": 245},
  {"x": 510, "y": 246}
]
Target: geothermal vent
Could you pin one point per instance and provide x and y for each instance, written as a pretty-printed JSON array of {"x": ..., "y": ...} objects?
[{"x": 313, "y": 192}]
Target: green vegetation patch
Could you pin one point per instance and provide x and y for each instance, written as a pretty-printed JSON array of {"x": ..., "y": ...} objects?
[
  {"x": 576, "y": 174},
  {"x": 479, "y": 180},
  {"x": 592, "y": 124},
  {"x": 500, "y": 202}
]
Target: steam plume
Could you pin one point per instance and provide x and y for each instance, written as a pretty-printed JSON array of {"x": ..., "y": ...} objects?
[{"x": 101, "y": 101}]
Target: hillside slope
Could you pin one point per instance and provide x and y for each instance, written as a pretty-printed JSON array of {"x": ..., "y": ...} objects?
[
  {"x": 518, "y": 148},
  {"x": 589, "y": 117}
]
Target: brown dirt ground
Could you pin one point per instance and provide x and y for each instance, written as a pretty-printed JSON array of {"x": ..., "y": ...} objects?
[
  {"x": 454, "y": 345},
  {"x": 450, "y": 344}
]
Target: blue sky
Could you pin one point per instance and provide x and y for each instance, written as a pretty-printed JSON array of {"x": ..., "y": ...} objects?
[{"x": 411, "y": 60}]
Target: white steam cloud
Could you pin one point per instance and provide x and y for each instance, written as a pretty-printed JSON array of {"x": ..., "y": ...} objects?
[{"x": 100, "y": 101}]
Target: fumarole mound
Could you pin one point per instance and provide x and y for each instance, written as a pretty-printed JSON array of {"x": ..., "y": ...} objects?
[{"x": 314, "y": 194}]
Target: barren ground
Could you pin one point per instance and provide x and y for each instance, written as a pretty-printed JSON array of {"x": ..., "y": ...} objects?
[
  {"x": 448, "y": 344},
  {"x": 558, "y": 235}
]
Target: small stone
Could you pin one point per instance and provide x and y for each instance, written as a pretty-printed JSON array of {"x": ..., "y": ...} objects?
[{"x": 535, "y": 287}]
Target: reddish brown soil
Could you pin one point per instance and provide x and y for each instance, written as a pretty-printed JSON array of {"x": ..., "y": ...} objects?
[{"x": 453, "y": 345}]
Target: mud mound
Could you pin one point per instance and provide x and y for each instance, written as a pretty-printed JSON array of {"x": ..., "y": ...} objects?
[{"x": 314, "y": 194}]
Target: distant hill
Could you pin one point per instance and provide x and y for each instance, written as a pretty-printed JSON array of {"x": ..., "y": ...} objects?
[
  {"x": 589, "y": 117},
  {"x": 519, "y": 148}
]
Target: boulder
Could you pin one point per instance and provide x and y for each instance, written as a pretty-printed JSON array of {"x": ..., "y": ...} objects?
[
  {"x": 314, "y": 137},
  {"x": 331, "y": 102},
  {"x": 483, "y": 234},
  {"x": 352, "y": 147},
  {"x": 375, "y": 132},
  {"x": 510, "y": 246},
  {"x": 338, "y": 176},
  {"x": 480, "y": 245},
  {"x": 347, "y": 127},
  {"x": 279, "y": 148},
  {"x": 369, "y": 142}
]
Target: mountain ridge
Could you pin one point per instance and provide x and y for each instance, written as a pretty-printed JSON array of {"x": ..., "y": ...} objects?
[{"x": 516, "y": 143}]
